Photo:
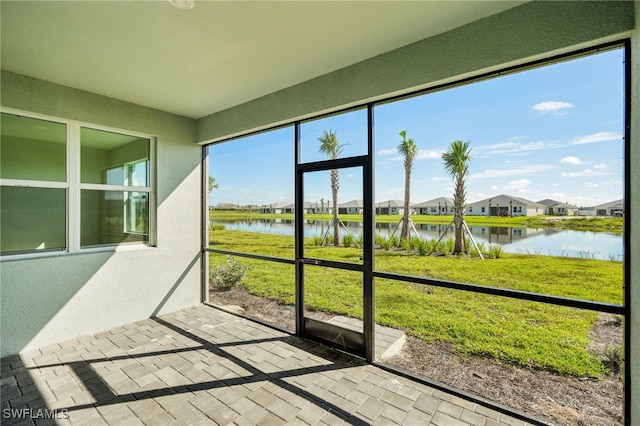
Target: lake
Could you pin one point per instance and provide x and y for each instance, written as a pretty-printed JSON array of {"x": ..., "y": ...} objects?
[{"x": 539, "y": 241}]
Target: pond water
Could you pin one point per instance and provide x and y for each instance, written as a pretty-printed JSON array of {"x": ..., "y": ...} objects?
[{"x": 539, "y": 241}]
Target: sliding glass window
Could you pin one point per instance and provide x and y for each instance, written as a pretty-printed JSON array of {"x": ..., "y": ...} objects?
[
  {"x": 115, "y": 187},
  {"x": 33, "y": 173},
  {"x": 49, "y": 204}
]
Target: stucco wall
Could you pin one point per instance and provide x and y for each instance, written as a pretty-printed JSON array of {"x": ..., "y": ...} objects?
[
  {"x": 513, "y": 37},
  {"x": 49, "y": 299}
]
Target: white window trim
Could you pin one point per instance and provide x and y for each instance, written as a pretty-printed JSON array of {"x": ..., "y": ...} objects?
[{"x": 74, "y": 186}]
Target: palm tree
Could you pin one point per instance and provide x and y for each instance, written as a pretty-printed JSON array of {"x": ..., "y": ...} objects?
[
  {"x": 331, "y": 147},
  {"x": 456, "y": 163},
  {"x": 212, "y": 183},
  {"x": 409, "y": 150}
]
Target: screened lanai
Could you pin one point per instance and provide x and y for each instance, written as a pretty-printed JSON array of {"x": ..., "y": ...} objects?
[{"x": 115, "y": 115}]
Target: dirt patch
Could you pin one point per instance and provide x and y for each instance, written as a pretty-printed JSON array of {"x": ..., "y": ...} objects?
[
  {"x": 238, "y": 300},
  {"x": 606, "y": 341},
  {"x": 552, "y": 398}
]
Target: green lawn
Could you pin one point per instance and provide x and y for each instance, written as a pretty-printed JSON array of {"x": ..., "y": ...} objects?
[{"x": 518, "y": 332}]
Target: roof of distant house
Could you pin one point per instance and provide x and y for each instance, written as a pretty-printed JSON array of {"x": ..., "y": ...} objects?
[
  {"x": 435, "y": 202},
  {"x": 390, "y": 203},
  {"x": 352, "y": 203},
  {"x": 553, "y": 203},
  {"x": 504, "y": 200}
]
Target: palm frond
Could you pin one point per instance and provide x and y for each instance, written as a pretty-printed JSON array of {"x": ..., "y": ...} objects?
[
  {"x": 329, "y": 144},
  {"x": 457, "y": 158},
  {"x": 407, "y": 148}
]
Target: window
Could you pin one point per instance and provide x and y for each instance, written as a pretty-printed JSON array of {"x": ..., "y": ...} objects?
[
  {"x": 33, "y": 172},
  {"x": 564, "y": 139},
  {"x": 49, "y": 204},
  {"x": 114, "y": 176}
]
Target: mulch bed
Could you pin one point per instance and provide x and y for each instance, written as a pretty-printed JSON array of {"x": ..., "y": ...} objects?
[{"x": 550, "y": 397}]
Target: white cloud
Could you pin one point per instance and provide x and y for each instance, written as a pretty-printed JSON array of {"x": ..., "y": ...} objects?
[
  {"x": 600, "y": 166},
  {"x": 494, "y": 187},
  {"x": 571, "y": 160},
  {"x": 514, "y": 147},
  {"x": 597, "y": 137},
  {"x": 517, "y": 184},
  {"x": 350, "y": 176},
  {"x": 598, "y": 170},
  {"x": 423, "y": 154},
  {"x": 428, "y": 154},
  {"x": 555, "y": 107},
  {"x": 591, "y": 185},
  {"x": 440, "y": 178},
  {"x": 520, "y": 171}
]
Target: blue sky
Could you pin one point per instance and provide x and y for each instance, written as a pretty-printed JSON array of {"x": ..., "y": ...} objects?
[{"x": 549, "y": 132}]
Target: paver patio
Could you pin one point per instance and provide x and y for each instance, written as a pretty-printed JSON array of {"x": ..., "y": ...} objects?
[{"x": 200, "y": 365}]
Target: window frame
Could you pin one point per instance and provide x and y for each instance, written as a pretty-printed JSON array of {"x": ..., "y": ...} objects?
[
  {"x": 73, "y": 187},
  {"x": 623, "y": 309}
]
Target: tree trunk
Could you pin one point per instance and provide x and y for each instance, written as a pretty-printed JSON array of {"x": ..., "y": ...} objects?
[
  {"x": 404, "y": 234},
  {"x": 335, "y": 184},
  {"x": 458, "y": 218}
]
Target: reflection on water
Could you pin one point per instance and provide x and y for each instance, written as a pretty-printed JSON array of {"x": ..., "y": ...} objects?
[{"x": 540, "y": 241}]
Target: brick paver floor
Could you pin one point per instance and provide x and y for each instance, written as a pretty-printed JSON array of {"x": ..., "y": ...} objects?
[{"x": 203, "y": 366}]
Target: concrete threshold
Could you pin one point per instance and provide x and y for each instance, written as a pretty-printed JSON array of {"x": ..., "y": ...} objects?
[{"x": 388, "y": 341}]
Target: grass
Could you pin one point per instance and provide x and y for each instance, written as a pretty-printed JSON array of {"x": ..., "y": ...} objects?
[
  {"x": 592, "y": 224},
  {"x": 522, "y": 333}
]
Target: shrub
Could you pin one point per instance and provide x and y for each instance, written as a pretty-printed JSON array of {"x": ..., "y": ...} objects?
[
  {"x": 447, "y": 246},
  {"x": 494, "y": 252},
  {"x": 216, "y": 227},
  {"x": 472, "y": 250},
  {"x": 430, "y": 245},
  {"x": 316, "y": 240},
  {"x": 347, "y": 240},
  {"x": 481, "y": 248},
  {"x": 414, "y": 243},
  {"x": 385, "y": 243},
  {"x": 229, "y": 274},
  {"x": 424, "y": 246}
]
